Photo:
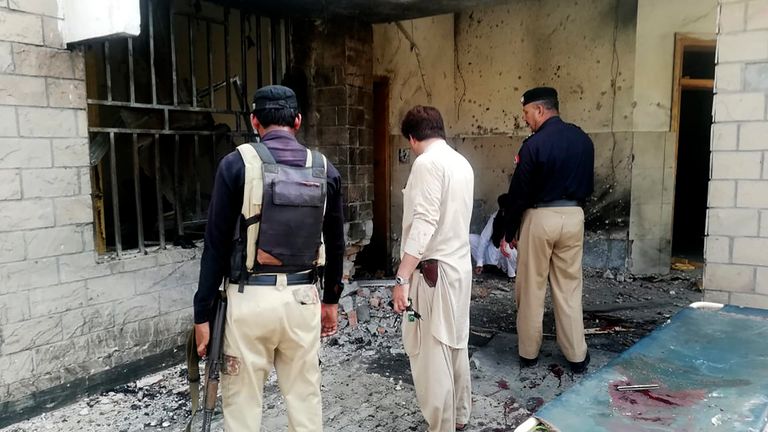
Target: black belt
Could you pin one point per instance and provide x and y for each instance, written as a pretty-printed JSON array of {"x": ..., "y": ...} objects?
[
  {"x": 558, "y": 203},
  {"x": 305, "y": 278}
]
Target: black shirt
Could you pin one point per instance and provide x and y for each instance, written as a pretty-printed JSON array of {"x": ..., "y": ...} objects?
[
  {"x": 226, "y": 205},
  {"x": 555, "y": 163}
]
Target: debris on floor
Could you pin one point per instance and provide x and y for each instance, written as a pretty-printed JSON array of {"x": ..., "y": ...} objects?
[{"x": 367, "y": 384}]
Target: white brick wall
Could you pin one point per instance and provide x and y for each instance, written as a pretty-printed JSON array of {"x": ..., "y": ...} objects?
[
  {"x": 21, "y": 27},
  {"x": 737, "y": 221},
  {"x": 757, "y": 15},
  {"x": 59, "y": 305}
]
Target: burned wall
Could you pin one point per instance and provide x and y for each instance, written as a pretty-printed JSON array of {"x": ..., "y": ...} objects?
[
  {"x": 334, "y": 58},
  {"x": 478, "y": 65}
]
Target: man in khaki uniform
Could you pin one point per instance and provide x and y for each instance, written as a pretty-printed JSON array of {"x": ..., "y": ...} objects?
[
  {"x": 283, "y": 205},
  {"x": 435, "y": 272},
  {"x": 551, "y": 183}
]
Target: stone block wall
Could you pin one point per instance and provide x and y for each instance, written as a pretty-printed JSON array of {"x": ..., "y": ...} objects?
[
  {"x": 67, "y": 316},
  {"x": 737, "y": 220}
]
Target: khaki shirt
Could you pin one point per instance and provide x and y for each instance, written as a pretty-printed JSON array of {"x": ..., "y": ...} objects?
[{"x": 437, "y": 208}]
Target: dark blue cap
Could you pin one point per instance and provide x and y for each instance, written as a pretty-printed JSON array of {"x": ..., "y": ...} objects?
[{"x": 274, "y": 97}]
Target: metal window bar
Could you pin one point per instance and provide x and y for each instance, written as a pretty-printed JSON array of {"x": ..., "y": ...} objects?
[
  {"x": 130, "y": 70},
  {"x": 115, "y": 197},
  {"x": 172, "y": 34},
  {"x": 274, "y": 39},
  {"x": 152, "y": 51},
  {"x": 192, "y": 65},
  {"x": 211, "y": 98},
  {"x": 244, "y": 55},
  {"x": 159, "y": 194},
  {"x": 108, "y": 70},
  {"x": 161, "y": 118},
  {"x": 259, "y": 58},
  {"x": 137, "y": 194},
  {"x": 176, "y": 188},
  {"x": 226, "y": 58}
]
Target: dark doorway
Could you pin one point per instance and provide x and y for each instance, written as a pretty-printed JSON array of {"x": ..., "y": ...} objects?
[
  {"x": 693, "y": 150},
  {"x": 375, "y": 260}
]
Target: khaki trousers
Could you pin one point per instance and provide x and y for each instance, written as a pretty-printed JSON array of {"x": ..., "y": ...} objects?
[
  {"x": 551, "y": 246},
  {"x": 440, "y": 373},
  {"x": 266, "y": 326}
]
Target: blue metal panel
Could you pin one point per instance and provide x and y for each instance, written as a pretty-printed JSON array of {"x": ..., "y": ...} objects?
[{"x": 711, "y": 367}]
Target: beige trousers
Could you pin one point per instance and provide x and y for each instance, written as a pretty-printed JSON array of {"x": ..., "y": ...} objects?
[
  {"x": 551, "y": 246},
  {"x": 266, "y": 326},
  {"x": 440, "y": 373}
]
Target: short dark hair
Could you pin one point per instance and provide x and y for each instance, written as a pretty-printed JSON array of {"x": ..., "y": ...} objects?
[
  {"x": 422, "y": 123},
  {"x": 549, "y": 104},
  {"x": 276, "y": 117}
]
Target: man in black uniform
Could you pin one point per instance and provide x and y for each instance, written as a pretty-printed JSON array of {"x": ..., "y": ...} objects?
[
  {"x": 545, "y": 221},
  {"x": 274, "y": 316}
]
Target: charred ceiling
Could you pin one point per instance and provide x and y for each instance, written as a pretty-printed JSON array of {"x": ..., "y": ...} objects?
[{"x": 374, "y": 11}]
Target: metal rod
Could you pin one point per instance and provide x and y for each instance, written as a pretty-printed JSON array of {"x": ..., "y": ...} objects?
[
  {"x": 176, "y": 192},
  {"x": 137, "y": 194},
  {"x": 130, "y": 71},
  {"x": 114, "y": 190},
  {"x": 166, "y": 120},
  {"x": 244, "y": 54},
  {"x": 152, "y": 51},
  {"x": 158, "y": 193},
  {"x": 210, "y": 64},
  {"x": 192, "y": 62},
  {"x": 108, "y": 70},
  {"x": 259, "y": 58},
  {"x": 162, "y": 106},
  {"x": 273, "y": 38},
  {"x": 173, "y": 56},
  {"x": 156, "y": 131},
  {"x": 206, "y": 91},
  {"x": 638, "y": 387},
  {"x": 198, "y": 198},
  {"x": 287, "y": 46},
  {"x": 226, "y": 58}
]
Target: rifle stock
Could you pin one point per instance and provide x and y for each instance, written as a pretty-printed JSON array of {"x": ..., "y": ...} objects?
[{"x": 213, "y": 365}]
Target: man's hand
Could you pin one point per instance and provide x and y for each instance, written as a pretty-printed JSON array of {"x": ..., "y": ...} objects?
[
  {"x": 504, "y": 248},
  {"x": 479, "y": 270},
  {"x": 202, "y": 336},
  {"x": 400, "y": 298},
  {"x": 329, "y": 319}
]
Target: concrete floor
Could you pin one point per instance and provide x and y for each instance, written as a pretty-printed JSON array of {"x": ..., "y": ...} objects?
[{"x": 366, "y": 376}]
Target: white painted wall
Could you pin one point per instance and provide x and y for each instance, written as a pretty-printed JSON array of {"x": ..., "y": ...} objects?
[
  {"x": 90, "y": 19},
  {"x": 657, "y": 23}
]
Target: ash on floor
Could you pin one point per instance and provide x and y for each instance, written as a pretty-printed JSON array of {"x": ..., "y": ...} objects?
[{"x": 366, "y": 376}]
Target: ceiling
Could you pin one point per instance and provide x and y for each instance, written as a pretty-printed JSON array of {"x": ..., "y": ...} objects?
[{"x": 375, "y": 11}]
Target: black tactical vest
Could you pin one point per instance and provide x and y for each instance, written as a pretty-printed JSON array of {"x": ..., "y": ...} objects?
[{"x": 291, "y": 218}]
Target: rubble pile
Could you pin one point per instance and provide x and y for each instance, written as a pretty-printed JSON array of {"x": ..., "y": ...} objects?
[
  {"x": 153, "y": 403},
  {"x": 366, "y": 320}
]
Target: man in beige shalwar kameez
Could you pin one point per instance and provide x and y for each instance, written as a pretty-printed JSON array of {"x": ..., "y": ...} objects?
[{"x": 437, "y": 206}]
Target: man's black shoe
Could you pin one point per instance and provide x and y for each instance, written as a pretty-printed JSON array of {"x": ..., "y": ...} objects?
[
  {"x": 580, "y": 367},
  {"x": 526, "y": 362}
]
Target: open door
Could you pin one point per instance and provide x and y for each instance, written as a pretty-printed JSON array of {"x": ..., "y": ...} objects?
[
  {"x": 692, "y": 120},
  {"x": 375, "y": 259}
]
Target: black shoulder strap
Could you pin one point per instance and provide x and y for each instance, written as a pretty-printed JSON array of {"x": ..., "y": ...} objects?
[{"x": 263, "y": 152}]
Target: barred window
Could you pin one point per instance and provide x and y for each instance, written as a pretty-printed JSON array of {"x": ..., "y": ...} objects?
[{"x": 164, "y": 107}]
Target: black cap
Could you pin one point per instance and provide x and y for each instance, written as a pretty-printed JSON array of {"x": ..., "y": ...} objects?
[
  {"x": 274, "y": 97},
  {"x": 537, "y": 94}
]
